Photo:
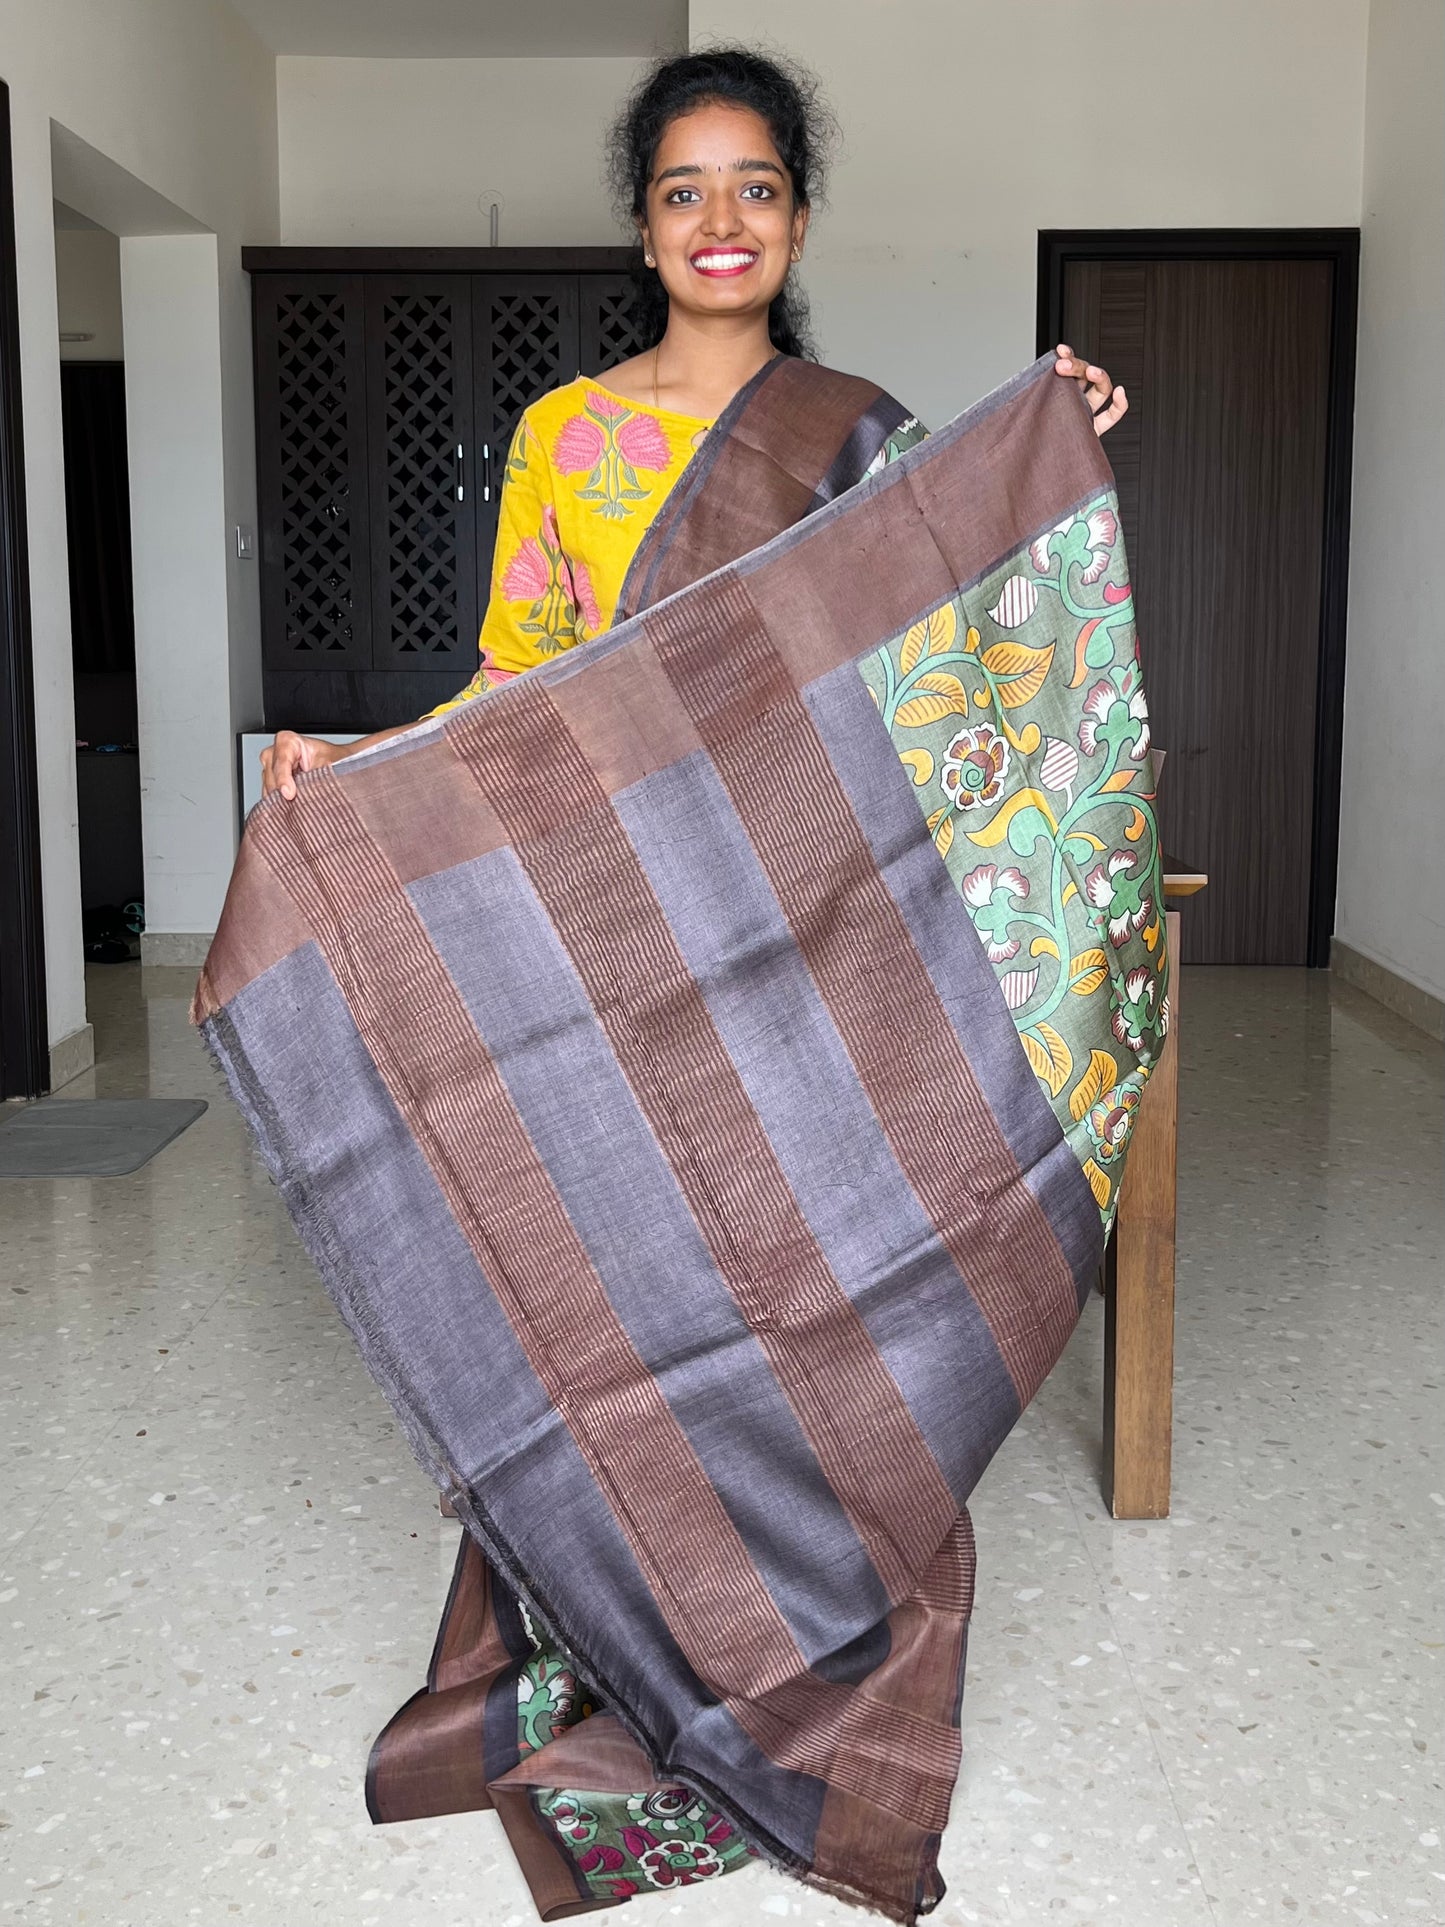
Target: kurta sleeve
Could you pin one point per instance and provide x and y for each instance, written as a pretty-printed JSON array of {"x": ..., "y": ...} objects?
[{"x": 530, "y": 612}]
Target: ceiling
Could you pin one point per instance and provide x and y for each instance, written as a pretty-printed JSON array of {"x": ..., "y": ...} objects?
[{"x": 421, "y": 29}]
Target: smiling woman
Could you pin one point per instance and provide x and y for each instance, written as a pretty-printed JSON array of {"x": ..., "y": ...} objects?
[
  {"x": 725, "y": 420},
  {"x": 720, "y": 435}
]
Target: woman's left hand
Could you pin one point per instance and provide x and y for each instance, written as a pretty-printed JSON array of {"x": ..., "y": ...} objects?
[{"x": 1107, "y": 404}]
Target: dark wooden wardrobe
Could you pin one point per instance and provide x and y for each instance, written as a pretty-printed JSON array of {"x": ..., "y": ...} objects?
[{"x": 388, "y": 384}]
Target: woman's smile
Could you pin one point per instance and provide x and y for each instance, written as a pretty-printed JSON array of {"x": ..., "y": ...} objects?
[{"x": 723, "y": 261}]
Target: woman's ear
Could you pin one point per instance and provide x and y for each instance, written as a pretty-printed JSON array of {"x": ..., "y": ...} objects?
[
  {"x": 646, "y": 239},
  {"x": 800, "y": 228}
]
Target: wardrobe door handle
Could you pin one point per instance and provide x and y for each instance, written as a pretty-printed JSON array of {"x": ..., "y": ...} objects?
[
  {"x": 486, "y": 471},
  {"x": 459, "y": 472}
]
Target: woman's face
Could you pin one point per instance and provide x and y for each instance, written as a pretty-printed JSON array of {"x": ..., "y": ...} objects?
[{"x": 720, "y": 218}]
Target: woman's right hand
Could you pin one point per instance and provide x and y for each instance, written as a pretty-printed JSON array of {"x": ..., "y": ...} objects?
[{"x": 284, "y": 760}]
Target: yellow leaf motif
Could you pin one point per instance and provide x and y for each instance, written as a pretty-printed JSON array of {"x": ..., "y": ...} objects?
[
  {"x": 1101, "y": 1074},
  {"x": 1016, "y": 659},
  {"x": 935, "y": 633},
  {"x": 1027, "y": 740},
  {"x": 1150, "y": 933},
  {"x": 997, "y": 829},
  {"x": 919, "y": 762},
  {"x": 1088, "y": 970},
  {"x": 942, "y": 684},
  {"x": 1019, "y": 669},
  {"x": 1043, "y": 947},
  {"x": 1120, "y": 780},
  {"x": 1049, "y": 1056},
  {"x": 1098, "y": 1183},
  {"x": 1022, "y": 689},
  {"x": 942, "y": 627},
  {"x": 970, "y": 642},
  {"x": 1137, "y": 826},
  {"x": 943, "y": 836},
  {"x": 931, "y": 708}
]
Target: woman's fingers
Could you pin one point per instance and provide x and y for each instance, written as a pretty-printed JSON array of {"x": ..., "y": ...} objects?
[
  {"x": 1107, "y": 404},
  {"x": 281, "y": 761},
  {"x": 1117, "y": 409}
]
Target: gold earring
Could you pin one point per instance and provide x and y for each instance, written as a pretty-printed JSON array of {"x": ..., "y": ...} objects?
[
  {"x": 649, "y": 260},
  {"x": 797, "y": 252}
]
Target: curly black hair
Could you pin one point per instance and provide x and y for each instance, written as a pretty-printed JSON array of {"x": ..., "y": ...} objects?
[{"x": 787, "y": 98}]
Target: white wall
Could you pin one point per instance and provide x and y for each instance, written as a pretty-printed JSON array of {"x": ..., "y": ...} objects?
[
  {"x": 87, "y": 290},
  {"x": 181, "y": 95},
  {"x": 968, "y": 125},
  {"x": 1391, "y": 904},
  {"x": 396, "y": 153},
  {"x": 174, "y": 406}
]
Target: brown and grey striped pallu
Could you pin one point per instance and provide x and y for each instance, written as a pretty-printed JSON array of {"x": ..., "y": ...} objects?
[{"x": 660, "y": 1101}]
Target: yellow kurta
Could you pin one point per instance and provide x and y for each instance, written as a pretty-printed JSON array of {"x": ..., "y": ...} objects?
[{"x": 585, "y": 478}]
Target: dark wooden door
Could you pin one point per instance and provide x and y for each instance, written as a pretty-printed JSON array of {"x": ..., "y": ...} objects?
[
  {"x": 1222, "y": 472},
  {"x": 420, "y": 437}
]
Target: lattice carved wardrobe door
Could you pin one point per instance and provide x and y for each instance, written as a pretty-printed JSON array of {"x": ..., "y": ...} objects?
[
  {"x": 311, "y": 479},
  {"x": 525, "y": 333},
  {"x": 424, "y": 473}
]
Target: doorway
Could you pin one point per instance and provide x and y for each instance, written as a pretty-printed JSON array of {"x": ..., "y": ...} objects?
[
  {"x": 1233, "y": 467},
  {"x": 102, "y": 617}
]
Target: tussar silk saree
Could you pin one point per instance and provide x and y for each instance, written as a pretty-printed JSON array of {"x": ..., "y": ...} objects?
[{"x": 702, "y": 1070}]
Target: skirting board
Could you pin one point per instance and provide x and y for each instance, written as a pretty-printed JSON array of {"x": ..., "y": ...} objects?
[
  {"x": 1396, "y": 993},
  {"x": 175, "y": 946},
  {"x": 71, "y": 1055}
]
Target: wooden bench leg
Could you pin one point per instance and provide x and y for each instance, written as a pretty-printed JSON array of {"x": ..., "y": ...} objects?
[{"x": 1139, "y": 1294}]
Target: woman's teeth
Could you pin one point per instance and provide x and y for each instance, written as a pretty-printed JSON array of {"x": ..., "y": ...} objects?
[{"x": 723, "y": 263}]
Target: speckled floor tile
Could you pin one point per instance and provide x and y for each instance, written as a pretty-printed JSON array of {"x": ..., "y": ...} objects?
[{"x": 220, "y": 1568}]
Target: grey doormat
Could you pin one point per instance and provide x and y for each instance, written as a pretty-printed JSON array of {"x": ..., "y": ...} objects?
[{"x": 90, "y": 1137}]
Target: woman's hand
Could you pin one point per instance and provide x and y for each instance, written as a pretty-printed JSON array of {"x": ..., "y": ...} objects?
[
  {"x": 1107, "y": 404},
  {"x": 284, "y": 760}
]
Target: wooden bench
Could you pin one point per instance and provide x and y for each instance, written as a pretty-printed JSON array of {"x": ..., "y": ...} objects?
[{"x": 1139, "y": 1272}]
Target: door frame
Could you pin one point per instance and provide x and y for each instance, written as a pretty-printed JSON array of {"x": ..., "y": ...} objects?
[
  {"x": 24, "y": 1050},
  {"x": 1341, "y": 248}
]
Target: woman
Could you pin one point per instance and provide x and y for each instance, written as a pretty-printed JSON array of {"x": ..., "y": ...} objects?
[
  {"x": 717, "y": 158},
  {"x": 717, "y": 436}
]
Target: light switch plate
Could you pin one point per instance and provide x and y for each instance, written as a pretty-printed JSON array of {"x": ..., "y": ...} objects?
[{"x": 245, "y": 542}]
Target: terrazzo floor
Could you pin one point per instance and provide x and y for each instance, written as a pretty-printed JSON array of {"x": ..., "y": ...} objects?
[{"x": 220, "y": 1569}]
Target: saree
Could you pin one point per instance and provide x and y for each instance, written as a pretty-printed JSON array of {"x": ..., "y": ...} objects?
[{"x": 702, "y": 1071}]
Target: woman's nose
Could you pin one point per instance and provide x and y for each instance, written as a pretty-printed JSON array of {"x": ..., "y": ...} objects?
[{"x": 720, "y": 216}]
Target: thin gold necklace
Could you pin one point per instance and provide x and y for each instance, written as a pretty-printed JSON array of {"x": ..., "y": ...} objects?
[{"x": 773, "y": 355}]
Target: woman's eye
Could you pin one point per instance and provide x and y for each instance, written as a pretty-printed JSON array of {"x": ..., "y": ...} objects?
[
  {"x": 758, "y": 191},
  {"x": 681, "y": 196}
]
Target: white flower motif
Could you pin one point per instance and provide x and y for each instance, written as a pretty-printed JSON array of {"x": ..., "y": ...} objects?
[
  {"x": 1103, "y": 533},
  {"x": 1097, "y": 705},
  {"x": 1039, "y": 548}
]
